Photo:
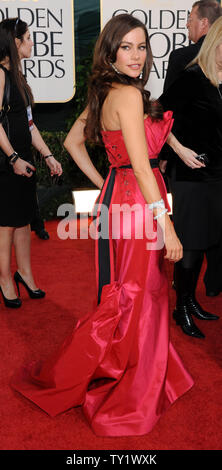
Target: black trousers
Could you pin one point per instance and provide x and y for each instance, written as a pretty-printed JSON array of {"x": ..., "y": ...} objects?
[
  {"x": 37, "y": 222},
  {"x": 213, "y": 274}
]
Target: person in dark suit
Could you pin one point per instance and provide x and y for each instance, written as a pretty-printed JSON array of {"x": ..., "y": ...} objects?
[
  {"x": 196, "y": 101},
  {"x": 202, "y": 16}
]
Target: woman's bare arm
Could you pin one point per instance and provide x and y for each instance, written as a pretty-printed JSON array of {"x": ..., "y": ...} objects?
[
  {"x": 75, "y": 145},
  {"x": 131, "y": 119},
  {"x": 40, "y": 145},
  {"x": 186, "y": 155}
]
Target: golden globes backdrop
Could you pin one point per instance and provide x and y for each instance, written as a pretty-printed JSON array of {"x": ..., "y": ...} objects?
[
  {"x": 166, "y": 23},
  {"x": 51, "y": 69}
]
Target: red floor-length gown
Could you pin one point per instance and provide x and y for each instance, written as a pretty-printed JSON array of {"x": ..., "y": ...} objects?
[{"x": 118, "y": 362}]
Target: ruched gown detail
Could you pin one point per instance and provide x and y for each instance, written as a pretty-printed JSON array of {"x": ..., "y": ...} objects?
[{"x": 119, "y": 363}]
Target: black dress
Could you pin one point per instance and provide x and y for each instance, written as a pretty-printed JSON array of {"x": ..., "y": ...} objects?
[
  {"x": 17, "y": 193},
  {"x": 197, "y": 194}
]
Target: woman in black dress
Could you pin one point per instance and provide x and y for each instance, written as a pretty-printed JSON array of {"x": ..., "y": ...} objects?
[
  {"x": 17, "y": 176},
  {"x": 196, "y": 101}
]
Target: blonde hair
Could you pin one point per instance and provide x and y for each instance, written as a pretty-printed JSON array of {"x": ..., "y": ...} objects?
[{"x": 206, "y": 58}]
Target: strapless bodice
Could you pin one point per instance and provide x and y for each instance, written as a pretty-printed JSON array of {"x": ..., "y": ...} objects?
[{"x": 156, "y": 135}]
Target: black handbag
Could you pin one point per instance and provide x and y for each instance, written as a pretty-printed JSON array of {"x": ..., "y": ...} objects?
[{"x": 4, "y": 163}]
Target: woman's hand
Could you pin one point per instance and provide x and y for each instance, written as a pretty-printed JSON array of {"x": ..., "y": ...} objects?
[
  {"x": 20, "y": 168},
  {"x": 54, "y": 166},
  {"x": 163, "y": 165},
  {"x": 174, "y": 249},
  {"x": 188, "y": 157}
]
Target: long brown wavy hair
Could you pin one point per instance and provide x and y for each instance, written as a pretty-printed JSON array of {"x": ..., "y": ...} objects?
[
  {"x": 103, "y": 76},
  {"x": 10, "y": 29}
]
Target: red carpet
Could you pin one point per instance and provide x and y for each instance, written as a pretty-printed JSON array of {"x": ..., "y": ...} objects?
[{"x": 65, "y": 269}]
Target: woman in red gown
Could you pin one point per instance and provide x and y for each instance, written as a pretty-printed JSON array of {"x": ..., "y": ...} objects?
[{"x": 118, "y": 363}]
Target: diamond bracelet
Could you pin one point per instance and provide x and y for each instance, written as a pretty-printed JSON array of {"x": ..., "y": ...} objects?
[{"x": 157, "y": 204}]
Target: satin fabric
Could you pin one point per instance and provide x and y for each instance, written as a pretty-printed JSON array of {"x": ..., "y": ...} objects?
[
  {"x": 118, "y": 363},
  {"x": 104, "y": 243}
]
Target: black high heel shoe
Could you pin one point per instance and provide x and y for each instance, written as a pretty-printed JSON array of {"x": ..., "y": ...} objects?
[
  {"x": 11, "y": 303},
  {"x": 33, "y": 294},
  {"x": 196, "y": 310},
  {"x": 183, "y": 318}
]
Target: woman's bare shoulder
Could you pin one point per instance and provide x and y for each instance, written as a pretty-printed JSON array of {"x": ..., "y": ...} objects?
[
  {"x": 122, "y": 100},
  {"x": 126, "y": 95},
  {"x": 126, "y": 90}
]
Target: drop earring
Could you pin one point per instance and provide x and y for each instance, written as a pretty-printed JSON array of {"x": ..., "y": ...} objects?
[
  {"x": 141, "y": 75},
  {"x": 114, "y": 68}
]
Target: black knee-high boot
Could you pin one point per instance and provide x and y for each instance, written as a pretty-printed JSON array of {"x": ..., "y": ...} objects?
[
  {"x": 182, "y": 314},
  {"x": 194, "y": 307}
]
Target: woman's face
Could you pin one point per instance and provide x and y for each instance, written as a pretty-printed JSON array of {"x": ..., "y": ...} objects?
[
  {"x": 219, "y": 57},
  {"x": 24, "y": 46},
  {"x": 131, "y": 55}
]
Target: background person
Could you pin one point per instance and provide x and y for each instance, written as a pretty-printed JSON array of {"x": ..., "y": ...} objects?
[
  {"x": 17, "y": 181},
  {"x": 202, "y": 16},
  {"x": 196, "y": 98},
  {"x": 38, "y": 226}
]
